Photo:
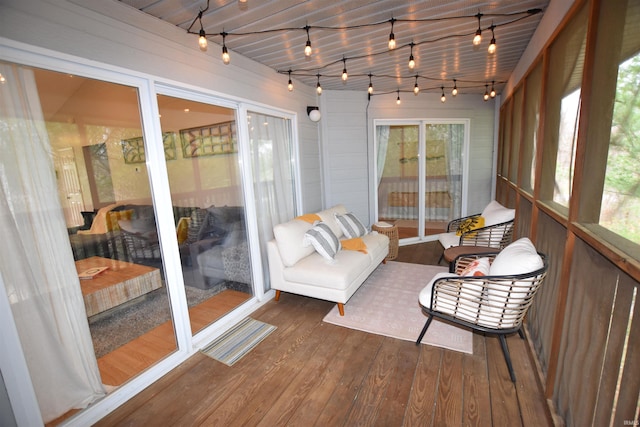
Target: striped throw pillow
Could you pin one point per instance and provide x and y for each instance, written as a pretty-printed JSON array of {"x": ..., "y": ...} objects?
[
  {"x": 323, "y": 240},
  {"x": 351, "y": 225}
]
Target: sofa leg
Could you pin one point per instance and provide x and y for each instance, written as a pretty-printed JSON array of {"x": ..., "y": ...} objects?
[
  {"x": 384, "y": 261},
  {"x": 277, "y": 295},
  {"x": 341, "y": 308}
]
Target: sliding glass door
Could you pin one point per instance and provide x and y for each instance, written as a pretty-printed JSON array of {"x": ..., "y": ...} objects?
[{"x": 419, "y": 171}]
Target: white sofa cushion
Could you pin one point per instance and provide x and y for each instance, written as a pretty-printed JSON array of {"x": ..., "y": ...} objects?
[
  {"x": 289, "y": 238},
  {"x": 340, "y": 273},
  {"x": 495, "y": 213},
  {"x": 328, "y": 216}
]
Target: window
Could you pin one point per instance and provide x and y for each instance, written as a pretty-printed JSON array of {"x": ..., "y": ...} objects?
[
  {"x": 566, "y": 60},
  {"x": 416, "y": 159},
  {"x": 533, "y": 85},
  {"x": 621, "y": 194}
]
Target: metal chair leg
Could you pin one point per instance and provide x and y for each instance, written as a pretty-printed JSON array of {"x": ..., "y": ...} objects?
[
  {"x": 505, "y": 350},
  {"x": 521, "y": 332},
  {"x": 424, "y": 330}
]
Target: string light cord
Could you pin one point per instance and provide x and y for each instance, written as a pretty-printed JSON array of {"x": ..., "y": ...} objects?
[
  {"x": 526, "y": 13},
  {"x": 396, "y": 51}
]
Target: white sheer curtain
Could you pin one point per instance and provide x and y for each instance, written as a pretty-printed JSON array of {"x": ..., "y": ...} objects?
[
  {"x": 382, "y": 139},
  {"x": 454, "y": 168},
  {"x": 274, "y": 186},
  {"x": 35, "y": 257}
]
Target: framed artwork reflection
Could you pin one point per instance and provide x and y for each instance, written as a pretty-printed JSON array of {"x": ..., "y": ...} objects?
[{"x": 133, "y": 148}]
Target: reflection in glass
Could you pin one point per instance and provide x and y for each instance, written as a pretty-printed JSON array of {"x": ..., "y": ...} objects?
[
  {"x": 208, "y": 207},
  {"x": 69, "y": 220}
]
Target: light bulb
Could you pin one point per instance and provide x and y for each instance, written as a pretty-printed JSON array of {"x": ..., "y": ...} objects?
[
  {"x": 290, "y": 86},
  {"x": 344, "y": 75},
  {"x": 416, "y": 89},
  {"x": 398, "y": 100},
  {"x": 307, "y": 48},
  {"x": 486, "y": 96},
  {"x": 492, "y": 46},
  {"x": 454, "y": 92},
  {"x": 412, "y": 63},
  {"x": 443, "y": 98},
  {"x": 225, "y": 55},
  {"x": 202, "y": 41},
  {"x": 370, "y": 90},
  {"x": 319, "y": 89},
  {"x": 392, "y": 41},
  {"x": 477, "y": 39}
]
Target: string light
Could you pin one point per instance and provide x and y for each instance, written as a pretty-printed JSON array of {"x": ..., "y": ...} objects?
[
  {"x": 398, "y": 98},
  {"x": 416, "y": 88},
  {"x": 344, "y": 70},
  {"x": 290, "y": 84},
  {"x": 225, "y": 53},
  {"x": 318, "y": 87},
  {"x": 492, "y": 45},
  {"x": 307, "y": 48},
  {"x": 442, "y": 98},
  {"x": 493, "y": 91},
  {"x": 392, "y": 37},
  {"x": 486, "y": 92},
  {"x": 202, "y": 35},
  {"x": 412, "y": 62},
  {"x": 477, "y": 39},
  {"x": 203, "y": 41}
]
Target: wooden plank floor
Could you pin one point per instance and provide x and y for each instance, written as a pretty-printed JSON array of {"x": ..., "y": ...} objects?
[
  {"x": 308, "y": 372},
  {"x": 137, "y": 355}
]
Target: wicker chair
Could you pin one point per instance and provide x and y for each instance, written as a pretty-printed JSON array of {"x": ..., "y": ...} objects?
[
  {"x": 497, "y": 233},
  {"x": 490, "y": 304}
]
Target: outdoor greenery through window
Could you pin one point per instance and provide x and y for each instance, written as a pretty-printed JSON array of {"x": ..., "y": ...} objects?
[{"x": 621, "y": 194}]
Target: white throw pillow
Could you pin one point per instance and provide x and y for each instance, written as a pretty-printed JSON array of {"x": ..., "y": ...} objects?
[
  {"x": 519, "y": 257},
  {"x": 350, "y": 225},
  {"x": 323, "y": 240},
  {"x": 478, "y": 267},
  {"x": 495, "y": 213}
]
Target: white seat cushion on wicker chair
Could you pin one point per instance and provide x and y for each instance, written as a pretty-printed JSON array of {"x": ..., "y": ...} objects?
[{"x": 463, "y": 302}]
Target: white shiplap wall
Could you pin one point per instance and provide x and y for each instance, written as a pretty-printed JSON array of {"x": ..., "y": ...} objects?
[
  {"x": 344, "y": 151},
  {"x": 347, "y": 142}
]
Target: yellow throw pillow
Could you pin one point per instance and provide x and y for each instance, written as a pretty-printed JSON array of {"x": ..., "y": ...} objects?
[
  {"x": 183, "y": 229},
  {"x": 355, "y": 244},
  {"x": 469, "y": 224},
  {"x": 310, "y": 218},
  {"x": 114, "y": 216}
]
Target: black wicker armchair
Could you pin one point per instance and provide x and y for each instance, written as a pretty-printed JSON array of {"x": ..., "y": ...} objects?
[{"x": 490, "y": 304}]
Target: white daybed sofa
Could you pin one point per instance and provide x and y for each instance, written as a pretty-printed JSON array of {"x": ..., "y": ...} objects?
[{"x": 298, "y": 268}]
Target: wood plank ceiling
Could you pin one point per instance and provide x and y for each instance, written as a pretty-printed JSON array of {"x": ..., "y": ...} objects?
[{"x": 274, "y": 33}]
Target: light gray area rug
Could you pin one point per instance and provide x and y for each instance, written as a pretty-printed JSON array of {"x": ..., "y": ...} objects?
[{"x": 387, "y": 304}]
